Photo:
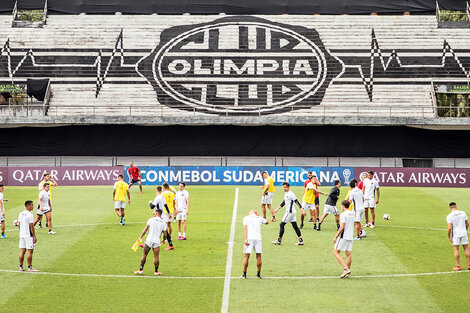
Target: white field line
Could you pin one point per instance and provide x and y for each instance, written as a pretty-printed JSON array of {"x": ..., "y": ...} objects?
[
  {"x": 220, "y": 277},
  {"x": 228, "y": 267}
]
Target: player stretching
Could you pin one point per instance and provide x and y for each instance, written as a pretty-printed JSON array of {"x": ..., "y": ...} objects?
[
  {"x": 268, "y": 193},
  {"x": 121, "y": 189},
  {"x": 47, "y": 179},
  {"x": 356, "y": 197},
  {"x": 134, "y": 176},
  {"x": 160, "y": 203},
  {"x": 290, "y": 215},
  {"x": 308, "y": 202},
  {"x": 252, "y": 230},
  {"x": 45, "y": 208},
  {"x": 182, "y": 207},
  {"x": 27, "y": 235},
  {"x": 2, "y": 211},
  {"x": 156, "y": 226},
  {"x": 330, "y": 205},
  {"x": 343, "y": 239},
  {"x": 457, "y": 227},
  {"x": 370, "y": 186}
]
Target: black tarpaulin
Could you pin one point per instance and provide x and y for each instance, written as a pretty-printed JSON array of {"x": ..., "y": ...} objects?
[{"x": 37, "y": 88}]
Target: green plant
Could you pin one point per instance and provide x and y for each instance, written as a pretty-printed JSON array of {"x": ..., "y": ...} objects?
[
  {"x": 452, "y": 16},
  {"x": 30, "y": 15}
]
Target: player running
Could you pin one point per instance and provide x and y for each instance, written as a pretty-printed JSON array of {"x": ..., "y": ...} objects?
[
  {"x": 156, "y": 226},
  {"x": 457, "y": 227},
  {"x": 268, "y": 194},
  {"x": 356, "y": 197},
  {"x": 343, "y": 239},
  {"x": 330, "y": 205},
  {"x": 134, "y": 176},
  {"x": 308, "y": 202},
  {"x": 121, "y": 189},
  {"x": 182, "y": 209},
  {"x": 47, "y": 179},
  {"x": 370, "y": 186},
  {"x": 160, "y": 203},
  {"x": 252, "y": 230},
  {"x": 27, "y": 235},
  {"x": 45, "y": 208},
  {"x": 290, "y": 215},
  {"x": 2, "y": 211}
]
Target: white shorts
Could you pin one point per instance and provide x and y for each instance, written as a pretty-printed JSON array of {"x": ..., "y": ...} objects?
[
  {"x": 254, "y": 245},
  {"x": 289, "y": 217},
  {"x": 456, "y": 241},
  {"x": 358, "y": 215},
  {"x": 329, "y": 209},
  {"x": 308, "y": 206},
  {"x": 151, "y": 244},
  {"x": 26, "y": 243},
  {"x": 166, "y": 217},
  {"x": 119, "y": 204},
  {"x": 39, "y": 212},
  {"x": 369, "y": 203},
  {"x": 343, "y": 244},
  {"x": 268, "y": 198},
  {"x": 181, "y": 217}
]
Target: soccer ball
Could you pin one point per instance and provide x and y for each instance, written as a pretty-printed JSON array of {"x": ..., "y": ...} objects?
[
  {"x": 386, "y": 217},
  {"x": 15, "y": 223}
]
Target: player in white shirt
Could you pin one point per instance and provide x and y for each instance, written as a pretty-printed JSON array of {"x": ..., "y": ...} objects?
[
  {"x": 47, "y": 179},
  {"x": 45, "y": 208},
  {"x": 2, "y": 211},
  {"x": 27, "y": 236},
  {"x": 155, "y": 226},
  {"x": 252, "y": 230},
  {"x": 182, "y": 209},
  {"x": 290, "y": 216},
  {"x": 356, "y": 197},
  {"x": 343, "y": 239},
  {"x": 160, "y": 203},
  {"x": 457, "y": 228},
  {"x": 370, "y": 185}
]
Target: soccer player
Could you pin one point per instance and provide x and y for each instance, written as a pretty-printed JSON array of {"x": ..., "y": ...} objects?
[
  {"x": 182, "y": 209},
  {"x": 2, "y": 211},
  {"x": 330, "y": 205},
  {"x": 309, "y": 200},
  {"x": 312, "y": 212},
  {"x": 457, "y": 227},
  {"x": 370, "y": 186},
  {"x": 252, "y": 230},
  {"x": 45, "y": 208},
  {"x": 47, "y": 179},
  {"x": 290, "y": 215},
  {"x": 170, "y": 201},
  {"x": 134, "y": 176},
  {"x": 156, "y": 226},
  {"x": 356, "y": 197},
  {"x": 316, "y": 183},
  {"x": 160, "y": 203},
  {"x": 121, "y": 189},
  {"x": 27, "y": 235},
  {"x": 343, "y": 239},
  {"x": 268, "y": 193},
  {"x": 361, "y": 183}
]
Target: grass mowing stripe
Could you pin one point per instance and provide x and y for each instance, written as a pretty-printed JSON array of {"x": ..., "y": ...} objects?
[{"x": 228, "y": 268}]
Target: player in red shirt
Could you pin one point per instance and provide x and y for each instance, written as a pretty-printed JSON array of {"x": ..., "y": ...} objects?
[{"x": 134, "y": 176}]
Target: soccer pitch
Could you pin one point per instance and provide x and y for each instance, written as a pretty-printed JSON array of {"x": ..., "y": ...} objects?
[{"x": 88, "y": 265}]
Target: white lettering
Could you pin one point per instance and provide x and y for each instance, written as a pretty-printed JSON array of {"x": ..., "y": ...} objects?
[
  {"x": 266, "y": 66},
  {"x": 302, "y": 66},
  {"x": 172, "y": 67}
]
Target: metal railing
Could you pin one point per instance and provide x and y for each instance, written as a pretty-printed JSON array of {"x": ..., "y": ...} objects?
[
  {"x": 439, "y": 13},
  {"x": 15, "y": 13}
]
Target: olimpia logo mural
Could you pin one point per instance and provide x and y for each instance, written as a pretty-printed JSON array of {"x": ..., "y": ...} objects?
[{"x": 238, "y": 65}]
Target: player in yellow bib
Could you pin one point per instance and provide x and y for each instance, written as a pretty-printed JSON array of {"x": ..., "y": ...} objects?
[
  {"x": 121, "y": 189},
  {"x": 268, "y": 193},
  {"x": 351, "y": 206},
  {"x": 170, "y": 201},
  {"x": 308, "y": 201}
]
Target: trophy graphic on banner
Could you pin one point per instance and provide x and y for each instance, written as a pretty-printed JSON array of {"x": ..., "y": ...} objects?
[{"x": 346, "y": 174}]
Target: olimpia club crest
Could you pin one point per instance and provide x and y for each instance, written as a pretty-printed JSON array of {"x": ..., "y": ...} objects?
[{"x": 240, "y": 65}]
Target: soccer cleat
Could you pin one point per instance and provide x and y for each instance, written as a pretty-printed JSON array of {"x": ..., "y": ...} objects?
[
  {"x": 363, "y": 235},
  {"x": 140, "y": 192},
  {"x": 183, "y": 238},
  {"x": 311, "y": 220},
  {"x": 258, "y": 276},
  {"x": 273, "y": 219},
  {"x": 314, "y": 226},
  {"x": 468, "y": 267},
  {"x": 301, "y": 225},
  {"x": 457, "y": 268},
  {"x": 142, "y": 245},
  {"x": 4, "y": 236},
  {"x": 357, "y": 238},
  {"x": 169, "y": 248},
  {"x": 345, "y": 274},
  {"x": 139, "y": 272},
  {"x": 123, "y": 221},
  {"x": 367, "y": 224},
  {"x": 51, "y": 232},
  {"x": 372, "y": 225},
  {"x": 32, "y": 270},
  {"x": 21, "y": 269},
  {"x": 319, "y": 228},
  {"x": 40, "y": 225},
  {"x": 300, "y": 243},
  {"x": 276, "y": 242},
  {"x": 180, "y": 238},
  {"x": 243, "y": 276},
  {"x": 157, "y": 274}
]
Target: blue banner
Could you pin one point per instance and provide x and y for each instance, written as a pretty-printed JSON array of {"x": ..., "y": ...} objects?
[{"x": 240, "y": 175}]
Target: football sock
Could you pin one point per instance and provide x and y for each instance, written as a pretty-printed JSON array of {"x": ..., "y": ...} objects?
[
  {"x": 3, "y": 234},
  {"x": 258, "y": 274},
  {"x": 21, "y": 265},
  {"x": 156, "y": 269},
  {"x": 30, "y": 266},
  {"x": 360, "y": 233},
  {"x": 281, "y": 229},
  {"x": 184, "y": 234},
  {"x": 373, "y": 223},
  {"x": 279, "y": 239},
  {"x": 301, "y": 240},
  {"x": 141, "y": 268},
  {"x": 179, "y": 234},
  {"x": 296, "y": 228},
  {"x": 337, "y": 226},
  {"x": 318, "y": 220},
  {"x": 169, "y": 240},
  {"x": 319, "y": 224}
]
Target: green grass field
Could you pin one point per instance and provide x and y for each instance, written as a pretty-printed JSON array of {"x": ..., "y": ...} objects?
[{"x": 89, "y": 240}]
